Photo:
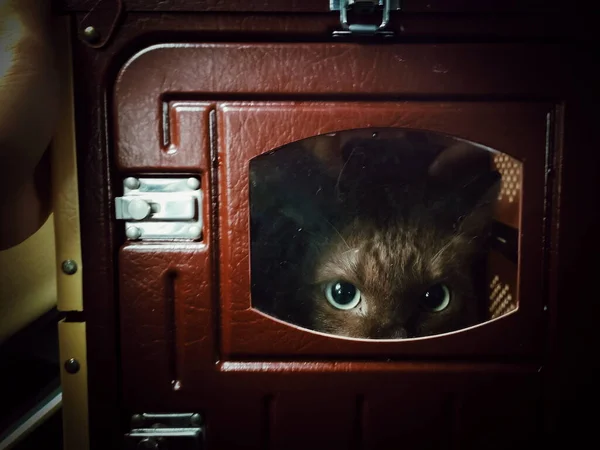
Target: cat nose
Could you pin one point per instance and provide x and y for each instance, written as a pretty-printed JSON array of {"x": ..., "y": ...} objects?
[
  {"x": 390, "y": 332},
  {"x": 399, "y": 333}
]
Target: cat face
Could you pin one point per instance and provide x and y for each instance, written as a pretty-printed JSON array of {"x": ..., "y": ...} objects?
[
  {"x": 382, "y": 244},
  {"x": 405, "y": 265},
  {"x": 407, "y": 280}
]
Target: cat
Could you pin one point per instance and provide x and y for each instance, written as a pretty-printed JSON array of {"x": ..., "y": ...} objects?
[{"x": 392, "y": 247}]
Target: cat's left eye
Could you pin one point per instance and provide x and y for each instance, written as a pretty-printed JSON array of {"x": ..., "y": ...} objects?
[
  {"x": 436, "y": 298},
  {"x": 342, "y": 295}
]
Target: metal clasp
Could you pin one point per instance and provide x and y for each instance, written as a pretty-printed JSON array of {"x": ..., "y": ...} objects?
[
  {"x": 165, "y": 431},
  {"x": 364, "y": 7},
  {"x": 160, "y": 208}
]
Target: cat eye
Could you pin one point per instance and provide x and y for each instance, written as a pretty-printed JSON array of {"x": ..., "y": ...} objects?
[
  {"x": 342, "y": 295},
  {"x": 436, "y": 298}
]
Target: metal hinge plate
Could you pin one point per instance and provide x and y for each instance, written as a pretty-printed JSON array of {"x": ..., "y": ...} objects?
[
  {"x": 182, "y": 431},
  {"x": 334, "y": 5},
  {"x": 382, "y": 7},
  {"x": 161, "y": 208}
]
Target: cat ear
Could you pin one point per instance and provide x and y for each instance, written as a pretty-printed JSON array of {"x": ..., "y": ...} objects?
[
  {"x": 461, "y": 178},
  {"x": 457, "y": 162},
  {"x": 481, "y": 193}
]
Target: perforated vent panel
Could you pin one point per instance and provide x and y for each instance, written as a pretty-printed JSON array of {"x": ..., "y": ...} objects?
[
  {"x": 510, "y": 170},
  {"x": 508, "y": 205},
  {"x": 502, "y": 285},
  {"x": 502, "y": 300}
]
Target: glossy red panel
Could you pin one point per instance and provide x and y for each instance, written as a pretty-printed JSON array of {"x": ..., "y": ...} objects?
[{"x": 247, "y": 130}]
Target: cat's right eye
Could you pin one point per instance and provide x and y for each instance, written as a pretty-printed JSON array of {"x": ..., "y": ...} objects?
[
  {"x": 342, "y": 295},
  {"x": 436, "y": 298}
]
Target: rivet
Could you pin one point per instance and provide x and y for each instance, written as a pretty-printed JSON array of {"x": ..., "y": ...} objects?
[
  {"x": 131, "y": 183},
  {"x": 69, "y": 267},
  {"x": 90, "y": 34},
  {"x": 137, "y": 421},
  {"x": 148, "y": 444},
  {"x": 193, "y": 183},
  {"x": 72, "y": 366},
  {"x": 133, "y": 232},
  {"x": 195, "y": 231},
  {"x": 196, "y": 420}
]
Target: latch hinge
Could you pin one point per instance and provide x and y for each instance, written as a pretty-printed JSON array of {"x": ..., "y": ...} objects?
[
  {"x": 364, "y": 7},
  {"x": 161, "y": 208},
  {"x": 165, "y": 431}
]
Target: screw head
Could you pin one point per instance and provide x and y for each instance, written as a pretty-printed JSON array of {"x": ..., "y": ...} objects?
[
  {"x": 131, "y": 183},
  {"x": 90, "y": 34},
  {"x": 133, "y": 232},
  {"x": 193, "y": 183},
  {"x": 72, "y": 366},
  {"x": 69, "y": 267}
]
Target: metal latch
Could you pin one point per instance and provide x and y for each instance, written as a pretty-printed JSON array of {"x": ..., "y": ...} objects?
[
  {"x": 161, "y": 208},
  {"x": 367, "y": 7},
  {"x": 165, "y": 431}
]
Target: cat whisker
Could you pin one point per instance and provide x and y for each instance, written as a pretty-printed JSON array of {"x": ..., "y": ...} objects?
[
  {"x": 440, "y": 251},
  {"x": 339, "y": 234},
  {"x": 339, "y": 178}
]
